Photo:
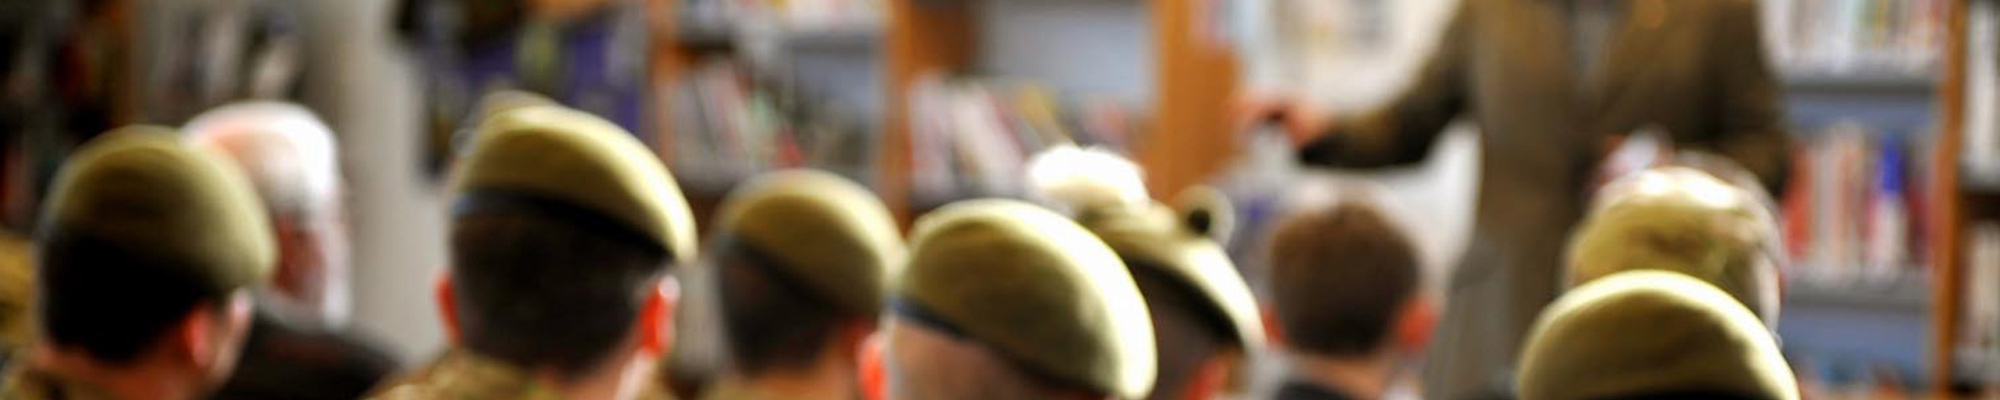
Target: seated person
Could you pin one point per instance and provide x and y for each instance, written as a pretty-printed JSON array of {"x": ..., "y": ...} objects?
[
  {"x": 562, "y": 234},
  {"x": 1205, "y": 320},
  {"x": 1349, "y": 303},
  {"x": 1003, "y": 300},
  {"x": 1651, "y": 335},
  {"x": 148, "y": 250},
  {"x": 802, "y": 261},
  {"x": 1682, "y": 220}
]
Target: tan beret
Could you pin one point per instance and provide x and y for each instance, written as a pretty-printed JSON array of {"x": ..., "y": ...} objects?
[
  {"x": 582, "y": 160},
  {"x": 1682, "y": 220},
  {"x": 1157, "y": 237},
  {"x": 1650, "y": 332},
  {"x": 144, "y": 189},
  {"x": 1037, "y": 288},
  {"x": 830, "y": 233}
]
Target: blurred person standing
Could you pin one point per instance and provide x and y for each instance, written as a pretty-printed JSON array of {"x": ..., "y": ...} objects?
[
  {"x": 803, "y": 259},
  {"x": 1003, "y": 300},
  {"x": 1553, "y": 86},
  {"x": 148, "y": 251},
  {"x": 562, "y": 231},
  {"x": 1205, "y": 320},
  {"x": 298, "y": 348},
  {"x": 1650, "y": 334},
  {"x": 1347, "y": 294}
]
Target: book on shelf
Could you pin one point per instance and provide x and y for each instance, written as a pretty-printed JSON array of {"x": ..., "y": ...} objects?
[
  {"x": 1981, "y": 151},
  {"x": 728, "y": 125},
  {"x": 816, "y": 15},
  {"x": 972, "y": 137},
  {"x": 1854, "y": 209},
  {"x": 1837, "y": 37}
]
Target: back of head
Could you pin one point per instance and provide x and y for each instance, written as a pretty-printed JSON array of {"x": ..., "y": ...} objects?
[
  {"x": 562, "y": 225},
  {"x": 1651, "y": 334},
  {"x": 1036, "y": 289},
  {"x": 290, "y": 157},
  {"x": 1338, "y": 277},
  {"x": 1200, "y": 304},
  {"x": 802, "y": 253},
  {"x": 1682, "y": 220},
  {"x": 286, "y": 151},
  {"x": 140, "y": 229}
]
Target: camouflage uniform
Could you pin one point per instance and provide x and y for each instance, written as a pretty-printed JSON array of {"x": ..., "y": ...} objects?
[
  {"x": 730, "y": 389},
  {"x": 459, "y": 374},
  {"x": 34, "y": 384}
]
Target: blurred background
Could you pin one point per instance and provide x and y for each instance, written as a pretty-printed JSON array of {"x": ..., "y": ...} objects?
[{"x": 1894, "y": 287}]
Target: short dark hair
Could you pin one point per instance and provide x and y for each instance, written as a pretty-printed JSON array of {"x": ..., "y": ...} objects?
[
  {"x": 1186, "y": 329},
  {"x": 772, "y": 320},
  {"x": 112, "y": 301},
  {"x": 1338, "y": 276},
  {"x": 543, "y": 283}
]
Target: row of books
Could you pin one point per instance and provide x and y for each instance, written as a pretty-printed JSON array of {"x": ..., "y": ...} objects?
[
  {"x": 973, "y": 136},
  {"x": 1848, "y": 36},
  {"x": 802, "y": 14},
  {"x": 1979, "y": 335},
  {"x": 1981, "y": 149},
  {"x": 728, "y": 123},
  {"x": 1855, "y": 208}
]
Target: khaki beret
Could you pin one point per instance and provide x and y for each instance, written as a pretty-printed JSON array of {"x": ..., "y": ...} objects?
[
  {"x": 833, "y": 235},
  {"x": 579, "y": 159},
  {"x": 1154, "y": 236},
  {"x": 1650, "y": 332},
  {"x": 143, "y": 189},
  {"x": 1682, "y": 220},
  {"x": 1035, "y": 287}
]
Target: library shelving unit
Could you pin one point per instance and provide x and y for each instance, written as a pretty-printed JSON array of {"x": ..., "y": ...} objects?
[
  {"x": 1183, "y": 141},
  {"x": 1961, "y": 198}
]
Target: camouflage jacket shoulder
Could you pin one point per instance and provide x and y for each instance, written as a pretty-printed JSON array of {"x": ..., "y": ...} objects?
[
  {"x": 460, "y": 375},
  {"x": 26, "y": 383}
]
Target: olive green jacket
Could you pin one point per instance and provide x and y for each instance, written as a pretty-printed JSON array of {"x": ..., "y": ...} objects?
[
  {"x": 1694, "y": 69},
  {"x": 461, "y": 375},
  {"x": 22, "y": 382}
]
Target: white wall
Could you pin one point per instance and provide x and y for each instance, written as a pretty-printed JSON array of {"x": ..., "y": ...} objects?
[
  {"x": 365, "y": 85},
  {"x": 1087, "y": 48}
]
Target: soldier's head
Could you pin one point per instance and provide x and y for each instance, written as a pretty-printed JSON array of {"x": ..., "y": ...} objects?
[
  {"x": 1346, "y": 284},
  {"x": 804, "y": 259},
  {"x": 1651, "y": 335},
  {"x": 562, "y": 230},
  {"x": 147, "y": 250},
  {"x": 1683, "y": 220},
  {"x": 1205, "y": 320},
  {"x": 290, "y": 158},
  {"x": 1005, "y": 300}
]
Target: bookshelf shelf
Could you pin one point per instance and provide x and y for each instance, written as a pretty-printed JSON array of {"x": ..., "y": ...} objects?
[
  {"x": 1978, "y": 181},
  {"x": 1908, "y": 293},
  {"x": 1873, "y": 83}
]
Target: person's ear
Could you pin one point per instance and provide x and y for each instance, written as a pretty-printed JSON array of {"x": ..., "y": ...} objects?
[
  {"x": 1274, "y": 333},
  {"x": 656, "y": 319},
  {"x": 1416, "y": 323},
  {"x": 447, "y": 304},
  {"x": 870, "y": 370},
  {"x": 197, "y": 336}
]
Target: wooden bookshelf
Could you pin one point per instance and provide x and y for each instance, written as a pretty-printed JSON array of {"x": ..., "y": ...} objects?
[
  {"x": 923, "y": 37},
  {"x": 1947, "y": 246},
  {"x": 1190, "y": 139}
]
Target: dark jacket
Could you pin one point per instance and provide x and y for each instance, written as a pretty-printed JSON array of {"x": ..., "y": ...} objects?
[{"x": 282, "y": 362}]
